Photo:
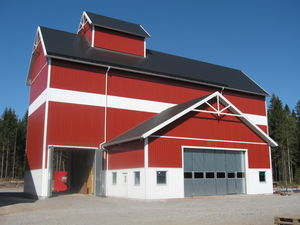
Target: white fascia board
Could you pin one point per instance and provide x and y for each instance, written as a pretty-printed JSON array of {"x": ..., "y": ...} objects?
[
  {"x": 38, "y": 34},
  {"x": 87, "y": 17},
  {"x": 248, "y": 121},
  {"x": 147, "y": 134}
]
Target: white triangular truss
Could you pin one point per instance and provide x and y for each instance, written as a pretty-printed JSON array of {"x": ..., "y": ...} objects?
[
  {"x": 83, "y": 21},
  {"x": 234, "y": 111}
]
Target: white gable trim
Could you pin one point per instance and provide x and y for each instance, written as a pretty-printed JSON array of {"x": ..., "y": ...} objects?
[{"x": 235, "y": 112}]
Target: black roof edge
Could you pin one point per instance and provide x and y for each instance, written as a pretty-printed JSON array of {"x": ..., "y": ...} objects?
[
  {"x": 108, "y": 144},
  {"x": 145, "y": 35},
  {"x": 96, "y": 63}
]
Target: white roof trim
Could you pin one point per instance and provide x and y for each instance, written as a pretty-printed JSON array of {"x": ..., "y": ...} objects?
[
  {"x": 231, "y": 108},
  {"x": 38, "y": 35}
]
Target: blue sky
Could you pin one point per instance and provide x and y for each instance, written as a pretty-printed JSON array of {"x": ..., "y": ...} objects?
[{"x": 260, "y": 37}]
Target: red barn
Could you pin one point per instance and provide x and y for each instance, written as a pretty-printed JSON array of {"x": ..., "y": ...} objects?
[{"x": 123, "y": 120}]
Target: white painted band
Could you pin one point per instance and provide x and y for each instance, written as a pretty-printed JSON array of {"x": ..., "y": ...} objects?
[{"x": 85, "y": 98}]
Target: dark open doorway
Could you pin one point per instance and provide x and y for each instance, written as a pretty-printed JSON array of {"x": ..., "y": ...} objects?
[{"x": 72, "y": 171}]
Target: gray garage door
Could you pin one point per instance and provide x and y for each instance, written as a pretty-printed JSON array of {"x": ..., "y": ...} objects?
[{"x": 213, "y": 172}]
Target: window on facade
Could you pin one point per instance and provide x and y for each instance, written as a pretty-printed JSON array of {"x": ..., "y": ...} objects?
[
  {"x": 161, "y": 177},
  {"x": 220, "y": 175},
  {"x": 198, "y": 175},
  {"x": 188, "y": 175},
  {"x": 262, "y": 176},
  {"x": 210, "y": 175},
  {"x": 136, "y": 178},
  {"x": 114, "y": 178},
  {"x": 240, "y": 175},
  {"x": 230, "y": 175}
]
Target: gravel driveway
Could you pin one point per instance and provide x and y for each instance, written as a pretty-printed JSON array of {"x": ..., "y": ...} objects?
[{"x": 81, "y": 209}]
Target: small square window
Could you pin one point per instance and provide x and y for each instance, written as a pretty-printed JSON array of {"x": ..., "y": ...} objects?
[
  {"x": 114, "y": 178},
  {"x": 230, "y": 175},
  {"x": 161, "y": 177},
  {"x": 136, "y": 178},
  {"x": 188, "y": 175},
  {"x": 240, "y": 175},
  {"x": 198, "y": 175},
  {"x": 220, "y": 174},
  {"x": 210, "y": 175},
  {"x": 262, "y": 176}
]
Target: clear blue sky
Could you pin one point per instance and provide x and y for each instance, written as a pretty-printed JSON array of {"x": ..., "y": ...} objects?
[{"x": 262, "y": 38}]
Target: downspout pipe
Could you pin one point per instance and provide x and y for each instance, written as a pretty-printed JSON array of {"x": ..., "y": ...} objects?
[{"x": 105, "y": 108}]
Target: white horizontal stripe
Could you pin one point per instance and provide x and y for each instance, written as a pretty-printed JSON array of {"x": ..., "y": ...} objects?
[
  {"x": 257, "y": 119},
  {"x": 37, "y": 102},
  {"x": 84, "y": 98},
  {"x": 137, "y": 104},
  {"x": 75, "y": 97},
  {"x": 213, "y": 140}
]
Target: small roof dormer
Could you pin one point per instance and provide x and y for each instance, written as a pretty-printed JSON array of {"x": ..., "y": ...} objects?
[{"x": 113, "y": 34}]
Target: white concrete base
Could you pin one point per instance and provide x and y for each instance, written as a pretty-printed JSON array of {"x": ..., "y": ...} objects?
[
  {"x": 254, "y": 186},
  {"x": 148, "y": 188},
  {"x": 33, "y": 182}
]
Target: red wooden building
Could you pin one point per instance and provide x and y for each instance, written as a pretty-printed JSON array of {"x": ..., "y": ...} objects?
[{"x": 123, "y": 120}]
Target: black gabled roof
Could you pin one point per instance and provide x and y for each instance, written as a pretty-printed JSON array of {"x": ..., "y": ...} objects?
[
  {"x": 117, "y": 25},
  {"x": 75, "y": 47},
  {"x": 141, "y": 129}
]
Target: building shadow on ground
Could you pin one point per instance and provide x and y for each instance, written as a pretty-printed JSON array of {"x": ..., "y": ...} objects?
[{"x": 11, "y": 198}]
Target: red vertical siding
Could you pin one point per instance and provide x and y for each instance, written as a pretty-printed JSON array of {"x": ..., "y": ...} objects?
[
  {"x": 129, "y": 155},
  {"x": 77, "y": 77},
  {"x": 145, "y": 87},
  {"x": 119, "y": 121},
  {"x": 38, "y": 74},
  {"x": 206, "y": 126},
  {"x": 117, "y": 41},
  {"x": 165, "y": 152},
  {"x": 75, "y": 125},
  {"x": 35, "y": 137}
]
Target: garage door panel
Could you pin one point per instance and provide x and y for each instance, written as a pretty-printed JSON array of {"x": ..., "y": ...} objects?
[
  {"x": 198, "y": 161},
  {"x": 240, "y": 186},
  {"x": 231, "y": 187},
  {"x": 188, "y": 187},
  {"x": 220, "y": 160},
  {"x": 209, "y": 161},
  {"x": 221, "y": 186},
  {"x": 210, "y": 187},
  {"x": 214, "y": 172},
  {"x": 199, "y": 187},
  {"x": 239, "y": 161},
  {"x": 188, "y": 160}
]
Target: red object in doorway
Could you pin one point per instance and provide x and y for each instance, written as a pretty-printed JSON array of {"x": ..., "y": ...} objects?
[{"x": 60, "y": 181}]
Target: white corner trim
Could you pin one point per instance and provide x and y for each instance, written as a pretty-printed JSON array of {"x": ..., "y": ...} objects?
[
  {"x": 42, "y": 40},
  {"x": 146, "y": 161}
]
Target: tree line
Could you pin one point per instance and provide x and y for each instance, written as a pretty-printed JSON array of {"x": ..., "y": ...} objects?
[
  {"x": 12, "y": 145},
  {"x": 284, "y": 128}
]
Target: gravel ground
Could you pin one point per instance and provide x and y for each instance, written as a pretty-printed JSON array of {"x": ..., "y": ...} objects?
[{"x": 82, "y": 209}]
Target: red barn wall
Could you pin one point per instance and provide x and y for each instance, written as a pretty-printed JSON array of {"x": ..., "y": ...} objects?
[
  {"x": 129, "y": 155},
  {"x": 75, "y": 125},
  {"x": 39, "y": 74},
  {"x": 77, "y": 77},
  {"x": 145, "y": 87},
  {"x": 118, "y": 41},
  {"x": 35, "y": 137},
  {"x": 165, "y": 152}
]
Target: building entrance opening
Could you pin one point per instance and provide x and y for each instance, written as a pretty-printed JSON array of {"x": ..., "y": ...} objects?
[{"x": 72, "y": 171}]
